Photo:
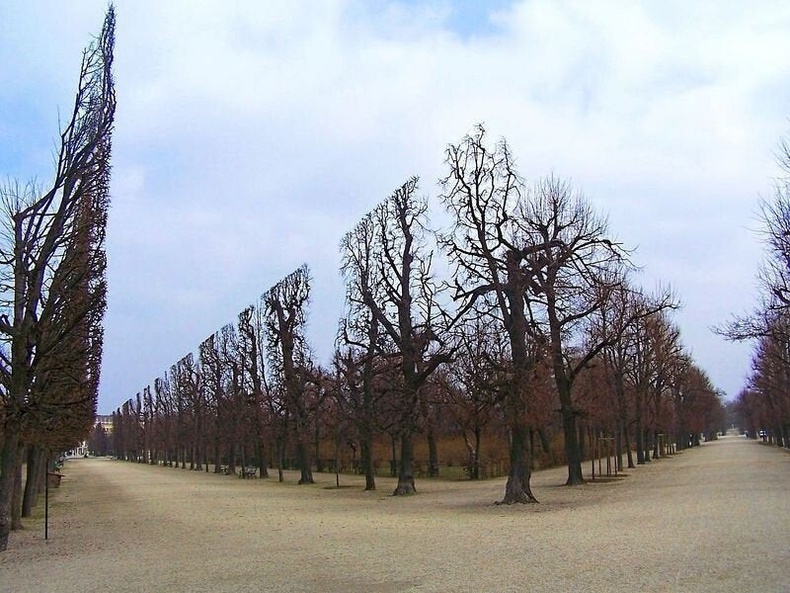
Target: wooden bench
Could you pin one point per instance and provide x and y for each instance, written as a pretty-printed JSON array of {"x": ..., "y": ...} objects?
[{"x": 249, "y": 472}]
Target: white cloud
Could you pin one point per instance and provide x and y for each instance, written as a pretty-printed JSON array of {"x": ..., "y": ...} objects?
[{"x": 251, "y": 136}]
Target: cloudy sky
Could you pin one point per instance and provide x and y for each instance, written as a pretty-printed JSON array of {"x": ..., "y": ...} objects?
[{"x": 250, "y": 136}]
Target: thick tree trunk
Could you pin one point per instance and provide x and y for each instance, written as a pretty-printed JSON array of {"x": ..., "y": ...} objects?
[
  {"x": 571, "y": 437},
  {"x": 517, "y": 489},
  {"x": 9, "y": 460},
  {"x": 366, "y": 458},
  {"x": 405, "y": 474},
  {"x": 232, "y": 459},
  {"x": 319, "y": 464},
  {"x": 303, "y": 458},
  {"x": 16, "y": 499},
  {"x": 35, "y": 460}
]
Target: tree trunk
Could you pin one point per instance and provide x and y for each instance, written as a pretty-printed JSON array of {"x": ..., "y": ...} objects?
[
  {"x": 319, "y": 464},
  {"x": 35, "y": 459},
  {"x": 433, "y": 455},
  {"x": 478, "y": 448},
  {"x": 9, "y": 459},
  {"x": 656, "y": 451},
  {"x": 640, "y": 446},
  {"x": 405, "y": 475},
  {"x": 303, "y": 458},
  {"x": 16, "y": 498},
  {"x": 264, "y": 471},
  {"x": 572, "y": 452},
  {"x": 232, "y": 459},
  {"x": 627, "y": 444},
  {"x": 394, "y": 460},
  {"x": 544, "y": 442},
  {"x": 517, "y": 489},
  {"x": 622, "y": 423},
  {"x": 474, "y": 453},
  {"x": 217, "y": 460},
  {"x": 366, "y": 458}
]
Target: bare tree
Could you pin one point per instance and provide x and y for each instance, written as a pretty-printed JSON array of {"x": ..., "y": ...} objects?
[
  {"x": 767, "y": 324},
  {"x": 290, "y": 360},
  {"x": 359, "y": 337},
  {"x": 252, "y": 342},
  {"x": 387, "y": 266},
  {"x": 481, "y": 192},
  {"x": 574, "y": 270},
  {"x": 774, "y": 275},
  {"x": 54, "y": 245},
  {"x": 633, "y": 359}
]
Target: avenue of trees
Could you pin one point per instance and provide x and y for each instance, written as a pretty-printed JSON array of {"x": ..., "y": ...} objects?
[
  {"x": 532, "y": 344},
  {"x": 52, "y": 282},
  {"x": 518, "y": 330},
  {"x": 762, "y": 409}
]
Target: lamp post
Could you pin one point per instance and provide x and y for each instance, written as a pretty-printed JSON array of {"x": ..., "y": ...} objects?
[{"x": 46, "y": 501}]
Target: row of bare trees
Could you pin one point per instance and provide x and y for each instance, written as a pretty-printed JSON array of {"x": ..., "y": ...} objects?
[
  {"x": 251, "y": 384},
  {"x": 763, "y": 406},
  {"x": 52, "y": 281},
  {"x": 534, "y": 329}
]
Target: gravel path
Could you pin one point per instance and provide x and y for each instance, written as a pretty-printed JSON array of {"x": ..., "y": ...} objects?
[{"x": 716, "y": 518}]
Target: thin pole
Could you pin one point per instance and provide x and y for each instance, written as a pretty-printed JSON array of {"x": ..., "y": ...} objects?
[{"x": 46, "y": 502}]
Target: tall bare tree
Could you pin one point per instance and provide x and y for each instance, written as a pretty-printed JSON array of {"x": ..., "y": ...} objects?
[
  {"x": 481, "y": 192},
  {"x": 52, "y": 266},
  {"x": 252, "y": 341},
  {"x": 359, "y": 337},
  {"x": 387, "y": 266},
  {"x": 289, "y": 355},
  {"x": 574, "y": 271}
]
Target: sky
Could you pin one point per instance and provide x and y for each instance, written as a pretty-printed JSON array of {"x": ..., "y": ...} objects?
[{"x": 251, "y": 136}]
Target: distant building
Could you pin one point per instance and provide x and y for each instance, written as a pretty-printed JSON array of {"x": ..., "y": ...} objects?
[
  {"x": 105, "y": 421},
  {"x": 80, "y": 450},
  {"x": 83, "y": 448}
]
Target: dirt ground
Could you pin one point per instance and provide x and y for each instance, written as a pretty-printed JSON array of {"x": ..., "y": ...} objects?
[{"x": 716, "y": 518}]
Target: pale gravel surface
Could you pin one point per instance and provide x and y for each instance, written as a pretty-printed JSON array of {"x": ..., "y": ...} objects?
[{"x": 716, "y": 518}]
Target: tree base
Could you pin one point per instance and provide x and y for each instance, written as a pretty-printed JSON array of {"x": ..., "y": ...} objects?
[
  {"x": 518, "y": 498},
  {"x": 405, "y": 487}
]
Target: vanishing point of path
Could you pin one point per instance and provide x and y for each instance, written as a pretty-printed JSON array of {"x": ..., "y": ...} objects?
[{"x": 713, "y": 519}]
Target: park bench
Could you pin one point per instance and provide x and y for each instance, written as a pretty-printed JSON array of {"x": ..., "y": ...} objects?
[{"x": 248, "y": 472}]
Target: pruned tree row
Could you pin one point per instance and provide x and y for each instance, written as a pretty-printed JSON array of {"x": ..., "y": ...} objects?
[
  {"x": 762, "y": 409},
  {"x": 535, "y": 342},
  {"x": 236, "y": 405},
  {"x": 531, "y": 344}
]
